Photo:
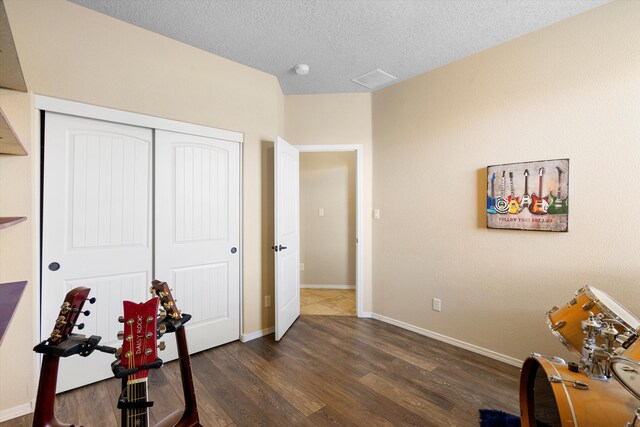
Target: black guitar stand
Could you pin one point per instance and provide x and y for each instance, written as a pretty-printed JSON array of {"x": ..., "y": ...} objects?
[
  {"x": 74, "y": 344},
  {"x": 123, "y": 373}
]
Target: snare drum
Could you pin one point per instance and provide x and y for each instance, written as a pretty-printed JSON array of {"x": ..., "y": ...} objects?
[
  {"x": 626, "y": 369},
  {"x": 566, "y": 322},
  {"x": 542, "y": 402}
]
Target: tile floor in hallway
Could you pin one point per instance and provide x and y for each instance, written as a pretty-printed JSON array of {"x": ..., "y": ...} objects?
[{"x": 335, "y": 302}]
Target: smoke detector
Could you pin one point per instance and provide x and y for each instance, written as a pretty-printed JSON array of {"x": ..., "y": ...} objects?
[{"x": 301, "y": 69}]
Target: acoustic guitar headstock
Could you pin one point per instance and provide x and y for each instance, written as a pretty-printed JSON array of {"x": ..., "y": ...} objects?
[
  {"x": 69, "y": 312},
  {"x": 162, "y": 291}
]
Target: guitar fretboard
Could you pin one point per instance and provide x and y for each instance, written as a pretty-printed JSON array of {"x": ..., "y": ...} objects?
[{"x": 136, "y": 393}]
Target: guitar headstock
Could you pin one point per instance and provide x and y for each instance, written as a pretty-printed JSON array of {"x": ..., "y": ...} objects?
[
  {"x": 70, "y": 310},
  {"x": 139, "y": 335},
  {"x": 162, "y": 291}
]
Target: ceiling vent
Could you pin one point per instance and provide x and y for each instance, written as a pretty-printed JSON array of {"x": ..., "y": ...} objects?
[{"x": 374, "y": 79}]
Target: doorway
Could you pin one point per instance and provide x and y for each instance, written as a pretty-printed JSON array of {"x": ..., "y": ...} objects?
[{"x": 329, "y": 273}]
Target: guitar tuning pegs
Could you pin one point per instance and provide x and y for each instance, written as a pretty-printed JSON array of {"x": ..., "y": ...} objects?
[
  {"x": 65, "y": 308},
  {"x": 80, "y": 326},
  {"x": 162, "y": 328},
  {"x": 92, "y": 300},
  {"x": 118, "y": 352},
  {"x": 60, "y": 322},
  {"x": 162, "y": 314},
  {"x": 86, "y": 312},
  {"x": 120, "y": 335},
  {"x": 151, "y": 290},
  {"x": 121, "y": 319},
  {"x": 55, "y": 335},
  {"x": 162, "y": 346}
]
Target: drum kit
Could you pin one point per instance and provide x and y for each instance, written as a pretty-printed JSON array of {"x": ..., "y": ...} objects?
[{"x": 603, "y": 388}]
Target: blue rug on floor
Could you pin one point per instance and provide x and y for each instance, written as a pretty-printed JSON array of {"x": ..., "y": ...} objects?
[{"x": 494, "y": 418}]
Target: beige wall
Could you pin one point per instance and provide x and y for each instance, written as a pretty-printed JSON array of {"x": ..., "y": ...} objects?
[
  {"x": 70, "y": 52},
  {"x": 328, "y": 242},
  {"x": 338, "y": 119},
  {"x": 571, "y": 90}
]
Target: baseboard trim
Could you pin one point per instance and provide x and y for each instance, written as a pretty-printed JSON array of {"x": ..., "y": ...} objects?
[
  {"x": 327, "y": 286},
  {"x": 15, "y": 412},
  {"x": 257, "y": 334},
  {"x": 461, "y": 344},
  {"x": 366, "y": 315}
]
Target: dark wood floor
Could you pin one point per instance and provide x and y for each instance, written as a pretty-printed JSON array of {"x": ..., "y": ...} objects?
[{"x": 326, "y": 371}]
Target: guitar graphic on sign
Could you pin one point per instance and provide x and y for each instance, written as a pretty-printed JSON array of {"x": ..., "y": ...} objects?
[
  {"x": 558, "y": 205},
  {"x": 514, "y": 202},
  {"x": 502, "y": 204},
  {"x": 525, "y": 202},
  {"x": 539, "y": 205},
  {"x": 491, "y": 200}
]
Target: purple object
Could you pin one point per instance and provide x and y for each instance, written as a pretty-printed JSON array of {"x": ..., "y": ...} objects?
[{"x": 10, "y": 294}]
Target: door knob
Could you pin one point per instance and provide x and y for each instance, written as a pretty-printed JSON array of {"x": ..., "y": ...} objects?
[
  {"x": 54, "y": 266},
  {"x": 281, "y": 247}
]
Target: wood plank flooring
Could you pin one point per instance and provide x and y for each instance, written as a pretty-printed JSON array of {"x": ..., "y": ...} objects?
[{"x": 327, "y": 370}]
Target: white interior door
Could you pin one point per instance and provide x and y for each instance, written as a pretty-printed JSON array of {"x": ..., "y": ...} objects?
[
  {"x": 287, "y": 235},
  {"x": 96, "y": 229},
  {"x": 197, "y": 234}
]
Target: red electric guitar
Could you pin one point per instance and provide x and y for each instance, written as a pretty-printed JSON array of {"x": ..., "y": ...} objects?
[
  {"x": 61, "y": 343},
  {"x": 174, "y": 322},
  {"x": 137, "y": 357},
  {"x": 539, "y": 205}
]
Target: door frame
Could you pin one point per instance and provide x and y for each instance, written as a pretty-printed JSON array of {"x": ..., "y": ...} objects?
[
  {"x": 79, "y": 109},
  {"x": 328, "y": 148}
]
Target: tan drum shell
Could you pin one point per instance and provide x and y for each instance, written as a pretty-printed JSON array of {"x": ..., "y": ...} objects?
[
  {"x": 577, "y": 310},
  {"x": 605, "y": 403}
]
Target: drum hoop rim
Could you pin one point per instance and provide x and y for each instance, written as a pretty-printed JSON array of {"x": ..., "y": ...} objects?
[
  {"x": 539, "y": 359},
  {"x": 588, "y": 291},
  {"x": 614, "y": 360}
]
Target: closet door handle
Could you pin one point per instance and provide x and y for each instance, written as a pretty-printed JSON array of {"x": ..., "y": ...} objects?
[
  {"x": 281, "y": 247},
  {"x": 54, "y": 266}
]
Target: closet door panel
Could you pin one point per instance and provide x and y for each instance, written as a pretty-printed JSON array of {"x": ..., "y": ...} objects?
[
  {"x": 96, "y": 229},
  {"x": 197, "y": 233}
]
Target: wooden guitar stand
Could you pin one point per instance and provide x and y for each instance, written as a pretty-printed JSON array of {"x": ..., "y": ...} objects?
[{"x": 189, "y": 416}]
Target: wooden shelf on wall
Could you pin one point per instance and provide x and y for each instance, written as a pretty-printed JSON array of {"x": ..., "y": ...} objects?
[
  {"x": 9, "y": 142},
  {"x": 11, "y": 77},
  {"x": 8, "y": 221},
  {"x": 10, "y": 294}
]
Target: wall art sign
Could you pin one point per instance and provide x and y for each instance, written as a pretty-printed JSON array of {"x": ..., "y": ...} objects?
[{"x": 529, "y": 195}]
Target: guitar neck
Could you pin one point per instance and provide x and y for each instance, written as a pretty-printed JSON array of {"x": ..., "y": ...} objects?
[
  {"x": 136, "y": 394},
  {"x": 540, "y": 187}
]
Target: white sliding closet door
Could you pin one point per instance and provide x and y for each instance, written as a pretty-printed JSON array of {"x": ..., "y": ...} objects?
[
  {"x": 197, "y": 234},
  {"x": 96, "y": 229}
]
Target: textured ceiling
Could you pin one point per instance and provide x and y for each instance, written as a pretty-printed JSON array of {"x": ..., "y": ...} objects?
[{"x": 341, "y": 39}]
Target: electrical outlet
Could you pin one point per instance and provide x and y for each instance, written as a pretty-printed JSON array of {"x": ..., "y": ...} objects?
[
  {"x": 376, "y": 213},
  {"x": 437, "y": 304},
  {"x": 302, "y": 266},
  {"x": 267, "y": 300}
]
